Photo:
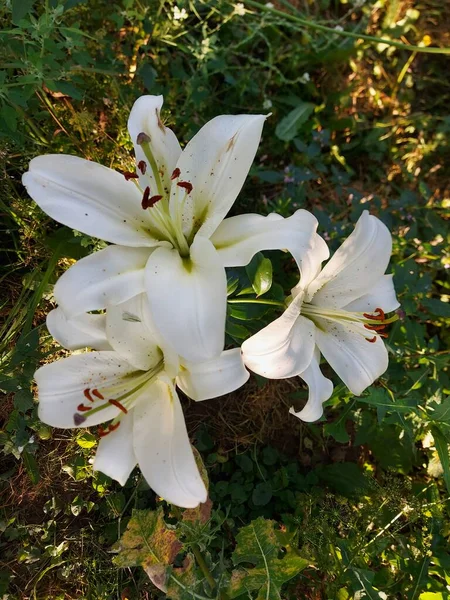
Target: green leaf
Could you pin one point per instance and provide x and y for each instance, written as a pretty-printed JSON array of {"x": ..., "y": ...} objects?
[
  {"x": 10, "y": 116},
  {"x": 442, "y": 448},
  {"x": 346, "y": 478},
  {"x": 338, "y": 429},
  {"x": 236, "y": 331},
  {"x": 437, "y": 307},
  {"x": 147, "y": 541},
  {"x": 258, "y": 545},
  {"x": 87, "y": 440},
  {"x": 20, "y": 8},
  {"x": 441, "y": 412},
  {"x": 288, "y": 127},
  {"x": 30, "y": 462},
  {"x": 380, "y": 398},
  {"x": 262, "y": 494},
  {"x": 259, "y": 271},
  {"x": 23, "y": 400}
]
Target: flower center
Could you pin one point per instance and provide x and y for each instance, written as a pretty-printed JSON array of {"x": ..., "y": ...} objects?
[
  {"x": 375, "y": 322},
  {"x": 156, "y": 201},
  {"x": 122, "y": 394}
]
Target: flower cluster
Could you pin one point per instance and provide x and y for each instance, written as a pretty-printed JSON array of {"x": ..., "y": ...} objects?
[{"x": 151, "y": 306}]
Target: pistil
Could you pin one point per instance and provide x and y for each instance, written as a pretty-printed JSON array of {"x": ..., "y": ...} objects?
[
  {"x": 126, "y": 391},
  {"x": 143, "y": 140}
]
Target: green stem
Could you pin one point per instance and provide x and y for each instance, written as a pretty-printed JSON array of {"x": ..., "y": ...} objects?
[
  {"x": 203, "y": 566},
  {"x": 255, "y": 301},
  {"x": 349, "y": 34}
]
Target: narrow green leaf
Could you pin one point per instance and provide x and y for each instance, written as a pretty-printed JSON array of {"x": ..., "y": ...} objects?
[
  {"x": 288, "y": 127},
  {"x": 30, "y": 462},
  {"x": 442, "y": 448}
]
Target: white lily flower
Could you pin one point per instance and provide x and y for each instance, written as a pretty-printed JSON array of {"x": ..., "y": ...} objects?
[
  {"x": 338, "y": 311},
  {"x": 131, "y": 382},
  {"x": 166, "y": 221}
]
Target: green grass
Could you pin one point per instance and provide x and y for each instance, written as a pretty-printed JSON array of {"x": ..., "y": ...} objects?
[{"x": 355, "y": 125}]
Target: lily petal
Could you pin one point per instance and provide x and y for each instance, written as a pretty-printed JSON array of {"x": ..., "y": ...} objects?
[
  {"x": 162, "y": 447},
  {"x": 83, "y": 331},
  {"x": 216, "y": 377},
  {"x": 282, "y": 349},
  {"x": 109, "y": 276},
  {"x": 382, "y": 295},
  {"x": 62, "y": 384},
  {"x": 90, "y": 198},
  {"x": 187, "y": 299},
  {"x": 145, "y": 118},
  {"x": 216, "y": 162},
  {"x": 129, "y": 335},
  {"x": 320, "y": 389},
  {"x": 115, "y": 455},
  {"x": 357, "y": 361},
  {"x": 238, "y": 239},
  {"x": 356, "y": 265},
  {"x": 310, "y": 265}
]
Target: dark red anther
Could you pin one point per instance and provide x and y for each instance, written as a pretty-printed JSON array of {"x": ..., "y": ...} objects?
[
  {"x": 129, "y": 175},
  {"x": 375, "y": 327},
  {"x": 145, "y": 198},
  {"x": 186, "y": 185},
  {"x": 175, "y": 174},
  {"x": 150, "y": 201},
  {"x": 142, "y": 166},
  {"x": 120, "y": 406},
  {"x": 378, "y": 315},
  {"x": 371, "y": 340},
  {"x": 102, "y": 432},
  {"x": 97, "y": 394},
  {"x": 87, "y": 395},
  {"x": 83, "y": 408},
  {"x": 153, "y": 200}
]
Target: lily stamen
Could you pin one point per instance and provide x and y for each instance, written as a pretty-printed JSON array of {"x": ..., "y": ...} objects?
[
  {"x": 371, "y": 340},
  {"x": 97, "y": 394},
  {"x": 142, "y": 166},
  {"x": 83, "y": 408},
  {"x": 111, "y": 427},
  {"x": 175, "y": 174},
  {"x": 375, "y": 327},
  {"x": 130, "y": 175},
  {"x": 378, "y": 315},
  {"x": 118, "y": 405},
  {"x": 143, "y": 140},
  {"x": 145, "y": 198},
  {"x": 87, "y": 395},
  {"x": 187, "y": 185}
]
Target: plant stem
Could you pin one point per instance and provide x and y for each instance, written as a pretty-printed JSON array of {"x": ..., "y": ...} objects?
[
  {"x": 255, "y": 301},
  {"x": 203, "y": 566},
  {"x": 349, "y": 34}
]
